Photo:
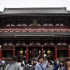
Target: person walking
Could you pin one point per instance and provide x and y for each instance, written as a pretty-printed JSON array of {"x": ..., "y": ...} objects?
[
  {"x": 41, "y": 65},
  {"x": 59, "y": 66},
  {"x": 1, "y": 65},
  {"x": 13, "y": 65},
  {"x": 51, "y": 64},
  {"x": 67, "y": 64},
  {"x": 28, "y": 66}
]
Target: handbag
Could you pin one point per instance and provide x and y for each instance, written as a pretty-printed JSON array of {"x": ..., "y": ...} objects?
[{"x": 41, "y": 67}]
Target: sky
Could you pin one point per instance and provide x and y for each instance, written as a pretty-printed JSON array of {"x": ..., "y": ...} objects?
[{"x": 33, "y": 3}]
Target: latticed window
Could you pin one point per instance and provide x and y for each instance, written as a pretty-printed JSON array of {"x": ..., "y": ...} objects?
[
  {"x": 7, "y": 53},
  {"x": 34, "y": 22},
  {"x": 62, "y": 53}
]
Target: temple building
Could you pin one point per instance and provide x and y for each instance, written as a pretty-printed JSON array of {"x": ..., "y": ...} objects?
[{"x": 31, "y": 32}]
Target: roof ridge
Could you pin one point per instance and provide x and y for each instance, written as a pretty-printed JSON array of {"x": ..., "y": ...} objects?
[{"x": 35, "y": 8}]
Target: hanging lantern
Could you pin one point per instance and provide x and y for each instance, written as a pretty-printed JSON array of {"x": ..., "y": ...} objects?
[
  {"x": 48, "y": 52},
  {"x": 21, "y": 51}
]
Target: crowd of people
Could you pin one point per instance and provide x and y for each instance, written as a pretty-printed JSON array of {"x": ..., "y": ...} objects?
[{"x": 32, "y": 64}]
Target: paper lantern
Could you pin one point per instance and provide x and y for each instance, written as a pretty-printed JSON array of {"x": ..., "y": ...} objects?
[
  {"x": 21, "y": 51},
  {"x": 48, "y": 52}
]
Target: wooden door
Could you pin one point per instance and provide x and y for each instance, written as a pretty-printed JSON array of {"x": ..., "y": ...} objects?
[{"x": 34, "y": 52}]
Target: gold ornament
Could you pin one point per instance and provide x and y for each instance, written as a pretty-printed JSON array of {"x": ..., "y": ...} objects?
[
  {"x": 21, "y": 51},
  {"x": 48, "y": 52}
]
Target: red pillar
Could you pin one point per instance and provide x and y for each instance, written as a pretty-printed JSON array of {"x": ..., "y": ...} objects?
[
  {"x": 0, "y": 52},
  {"x": 69, "y": 51},
  {"x": 42, "y": 51},
  {"x": 56, "y": 52},
  {"x": 27, "y": 52},
  {"x": 13, "y": 50}
]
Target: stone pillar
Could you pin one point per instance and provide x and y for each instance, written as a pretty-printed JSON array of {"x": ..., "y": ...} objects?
[
  {"x": 68, "y": 50},
  {"x": 42, "y": 51},
  {"x": 56, "y": 52},
  {"x": 0, "y": 52},
  {"x": 27, "y": 52},
  {"x": 13, "y": 50}
]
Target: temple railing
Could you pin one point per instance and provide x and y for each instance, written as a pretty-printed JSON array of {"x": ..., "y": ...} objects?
[{"x": 34, "y": 30}]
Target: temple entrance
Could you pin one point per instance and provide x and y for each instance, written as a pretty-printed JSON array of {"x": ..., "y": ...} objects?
[
  {"x": 34, "y": 52},
  {"x": 49, "y": 52},
  {"x": 21, "y": 53}
]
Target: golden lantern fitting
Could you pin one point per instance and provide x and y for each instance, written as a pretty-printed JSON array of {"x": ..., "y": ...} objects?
[
  {"x": 48, "y": 52},
  {"x": 21, "y": 51}
]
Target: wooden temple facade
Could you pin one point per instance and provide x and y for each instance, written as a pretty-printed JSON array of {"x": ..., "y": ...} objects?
[{"x": 31, "y": 32}]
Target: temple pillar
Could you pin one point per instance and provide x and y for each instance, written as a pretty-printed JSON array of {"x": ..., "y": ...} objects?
[
  {"x": 68, "y": 50},
  {"x": 27, "y": 52},
  {"x": 0, "y": 52},
  {"x": 13, "y": 50},
  {"x": 56, "y": 52},
  {"x": 42, "y": 50}
]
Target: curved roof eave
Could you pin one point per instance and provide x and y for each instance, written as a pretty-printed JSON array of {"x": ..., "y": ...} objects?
[{"x": 32, "y": 14}]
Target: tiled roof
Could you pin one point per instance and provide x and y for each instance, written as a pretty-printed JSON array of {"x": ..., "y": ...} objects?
[{"x": 35, "y": 10}]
